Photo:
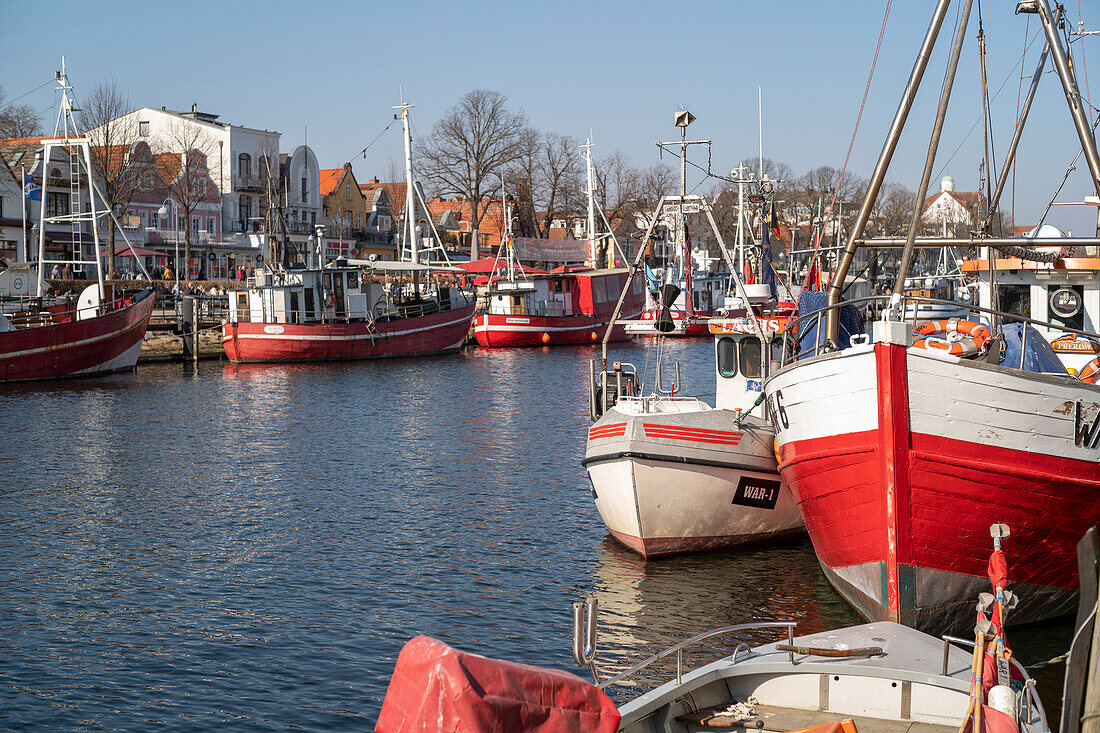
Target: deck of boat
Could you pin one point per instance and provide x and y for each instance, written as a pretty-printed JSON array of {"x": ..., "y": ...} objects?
[{"x": 771, "y": 718}]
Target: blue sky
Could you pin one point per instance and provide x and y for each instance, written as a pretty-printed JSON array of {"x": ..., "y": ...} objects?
[{"x": 618, "y": 69}]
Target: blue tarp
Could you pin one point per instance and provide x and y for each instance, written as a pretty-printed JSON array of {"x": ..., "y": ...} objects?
[
  {"x": 1039, "y": 357},
  {"x": 851, "y": 322}
]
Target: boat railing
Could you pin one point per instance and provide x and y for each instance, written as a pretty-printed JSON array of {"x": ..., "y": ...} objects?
[
  {"x": 822, "y": 346},
  {"x": 32, "y": 312},
  {"x": 584, "y": 643},
  {"x": 1031, "y": 693}
]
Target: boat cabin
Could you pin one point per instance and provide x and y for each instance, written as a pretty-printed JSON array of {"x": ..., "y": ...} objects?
[
  {"x": 741, "y": 365},
  {"x": 589, "y": 292},
  {"x": 343, "y": 294},
  {"x": 1064, "y": 294}
]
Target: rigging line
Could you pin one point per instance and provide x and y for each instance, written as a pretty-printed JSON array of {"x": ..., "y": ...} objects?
[
  {"x": 16, "y": 99},
  {"x": 855, "y": 130},
  {"x": 991, "y": 99},
  {"x": 1084, "y": 67},
  {"x": 1072, "y": 167},
  {"x": 1019, "y": 92}
]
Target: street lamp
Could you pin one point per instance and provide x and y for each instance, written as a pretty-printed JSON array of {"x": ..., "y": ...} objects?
[{"x": 162, "y": 212}]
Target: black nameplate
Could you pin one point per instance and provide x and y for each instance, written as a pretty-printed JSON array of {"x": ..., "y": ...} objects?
[{"x": 756, "y": 492}]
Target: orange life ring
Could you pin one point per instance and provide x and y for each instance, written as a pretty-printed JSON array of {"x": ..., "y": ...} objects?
[
  {"x": 330, "y": 298},
  {"x": 978, "y": 333},
  {"x": 1090, "y": 371}
]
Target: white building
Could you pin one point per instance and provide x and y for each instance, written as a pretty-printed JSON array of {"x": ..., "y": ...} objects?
[
  {"x": 11, "y": 214},
  {"x": 242, "y": 161},
  {"x": 299, "y": 189},
  {"x": 950, "y": 210}
]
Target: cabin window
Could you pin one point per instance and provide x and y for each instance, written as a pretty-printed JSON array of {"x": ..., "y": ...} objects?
[
  {"x": 1014, "y": 299},
  {"x": 353, "y": 281},
  {"x": 727, "y": 357},
  {"x": 599, "y": 290},
  {"x": 1066, "y": 306},
  {"x": 750, "y": 359}
]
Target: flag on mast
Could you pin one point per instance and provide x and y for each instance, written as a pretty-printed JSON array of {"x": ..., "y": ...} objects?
[{"x": 31, "y": 189}]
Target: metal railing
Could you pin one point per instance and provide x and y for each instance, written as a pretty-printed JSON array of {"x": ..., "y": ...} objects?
[
  {"x": 678, "y": 649},
  {"x": 1032, "y": 694},
  {"x": 793, "y": 326}
]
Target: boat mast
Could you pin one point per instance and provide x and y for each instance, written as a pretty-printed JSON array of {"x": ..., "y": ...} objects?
[
  {"x": 591, "y": 202},
  {"x": 408, "y": 230},
  {"x": 65, "y": 136},
  {"x": 836, "y": 286}
]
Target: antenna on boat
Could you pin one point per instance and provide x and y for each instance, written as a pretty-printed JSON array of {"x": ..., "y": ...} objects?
[{"x": 590, "y": 180}]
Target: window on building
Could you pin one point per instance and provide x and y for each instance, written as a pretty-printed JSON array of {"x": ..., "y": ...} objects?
[
  {"x": 57, "y": 203},
  {"x": 246, "y": 211},
  {"x": 210, "y": 223},
  {"x": 195, "y": 225},
  {"x": 313, "y": 217},
  {"x": 154, "y": 220},
  {"x": 358, "y": 220},
  {"x": 143, "y": 128},
  {"x": 305, "y": 187},
  {"x": 244, "y": 164},
  {"x": 181, "y": 222},
  {"x": 347, "y": 190},
  {"x": 262, "y": 165}
]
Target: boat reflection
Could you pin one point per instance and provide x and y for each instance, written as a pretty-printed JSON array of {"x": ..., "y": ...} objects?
[{"x": 649, "y": 605}]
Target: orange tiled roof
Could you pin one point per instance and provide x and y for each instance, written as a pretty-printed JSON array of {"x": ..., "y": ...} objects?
[{"x": 330, "y": 177}]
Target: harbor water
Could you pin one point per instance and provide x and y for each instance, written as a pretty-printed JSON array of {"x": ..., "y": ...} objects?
[{"x": 250, "y": 546}]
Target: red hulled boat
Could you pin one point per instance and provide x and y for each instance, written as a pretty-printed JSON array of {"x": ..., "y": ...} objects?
[
  {"x": 569, "y": 307},
  {"x": 356, "y": 310},
  {"x": 82, "y": 341}
]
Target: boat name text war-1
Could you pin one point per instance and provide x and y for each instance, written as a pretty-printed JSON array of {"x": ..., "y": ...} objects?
[{"x": 1085, "y": 435}]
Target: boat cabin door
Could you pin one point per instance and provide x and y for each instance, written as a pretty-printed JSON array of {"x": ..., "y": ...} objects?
[{"x": 741, "y": 369}]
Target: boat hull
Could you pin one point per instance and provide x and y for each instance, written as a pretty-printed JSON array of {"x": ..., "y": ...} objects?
[
  {"x": 492, "y": 329},
  {"x": 436, "y": 333},
  {"x": 94, "y": 346},
  {"x": 687, "y": 481},
  {"x": 901, "y": 459}
]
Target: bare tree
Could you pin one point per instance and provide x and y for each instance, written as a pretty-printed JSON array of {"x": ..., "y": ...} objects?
[
  {"x": 654, "y": 182},
  {"x": 469, "y": 146},
  {"x": 111, "y": 130},
  {"x": 18, "y": 120},
  {"x": 616, "y": 184},
  {"x": 185, "y": 171}
]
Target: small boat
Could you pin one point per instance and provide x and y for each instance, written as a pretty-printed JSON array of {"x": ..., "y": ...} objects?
[
  {"x": 572, "y": 305},
  {"x": 351, "y": 309},
  {"x": 46, "y": 335},
  {"x": 879, "y": 677},
  {"x": 672, "y": 474}
]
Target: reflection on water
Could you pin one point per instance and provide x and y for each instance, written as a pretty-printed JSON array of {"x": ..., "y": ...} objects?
[{"x": 252, "y": 545}]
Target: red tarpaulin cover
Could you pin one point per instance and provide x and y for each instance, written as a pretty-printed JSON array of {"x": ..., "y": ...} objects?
[
  {"x": 437, "y": 688},
  {"x": 486, "y": 265}
]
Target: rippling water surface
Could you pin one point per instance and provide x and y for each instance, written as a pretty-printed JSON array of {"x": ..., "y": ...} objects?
[{"x": 250, "y": 546}]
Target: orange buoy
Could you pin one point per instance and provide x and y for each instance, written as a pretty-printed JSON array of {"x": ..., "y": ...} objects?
[
  {"x": 593, "y": 335},
  {"x": 1090, "y": 371},
  {"x": 545, "y": 338},
  {"x": 979, "y": 336}
]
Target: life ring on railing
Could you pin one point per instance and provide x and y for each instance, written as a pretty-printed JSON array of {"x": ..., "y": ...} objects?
[
  {"x": 330, "y": 298},
  {"x": 978, "y": 333},
  {"x": 1090, "y": 371}
]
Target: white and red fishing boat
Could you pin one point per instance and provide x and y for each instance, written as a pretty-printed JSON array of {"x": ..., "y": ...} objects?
[
  {"x": 46, "y": 335},
  {"x": 572, "y": 305},
  {"x": 901, "y": 449},
  {"x": 353, "y": 309},
  {"x": 672, "y": 474}
]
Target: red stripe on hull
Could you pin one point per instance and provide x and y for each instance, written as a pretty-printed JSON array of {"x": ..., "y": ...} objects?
[
  {"x": 658, "y": 546},
  {"x": 77, "y": 348},
  {"x": 491, "y": 329},
  {"x": 955, "y": 490},
  {"x": 437, "y": 333}
]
